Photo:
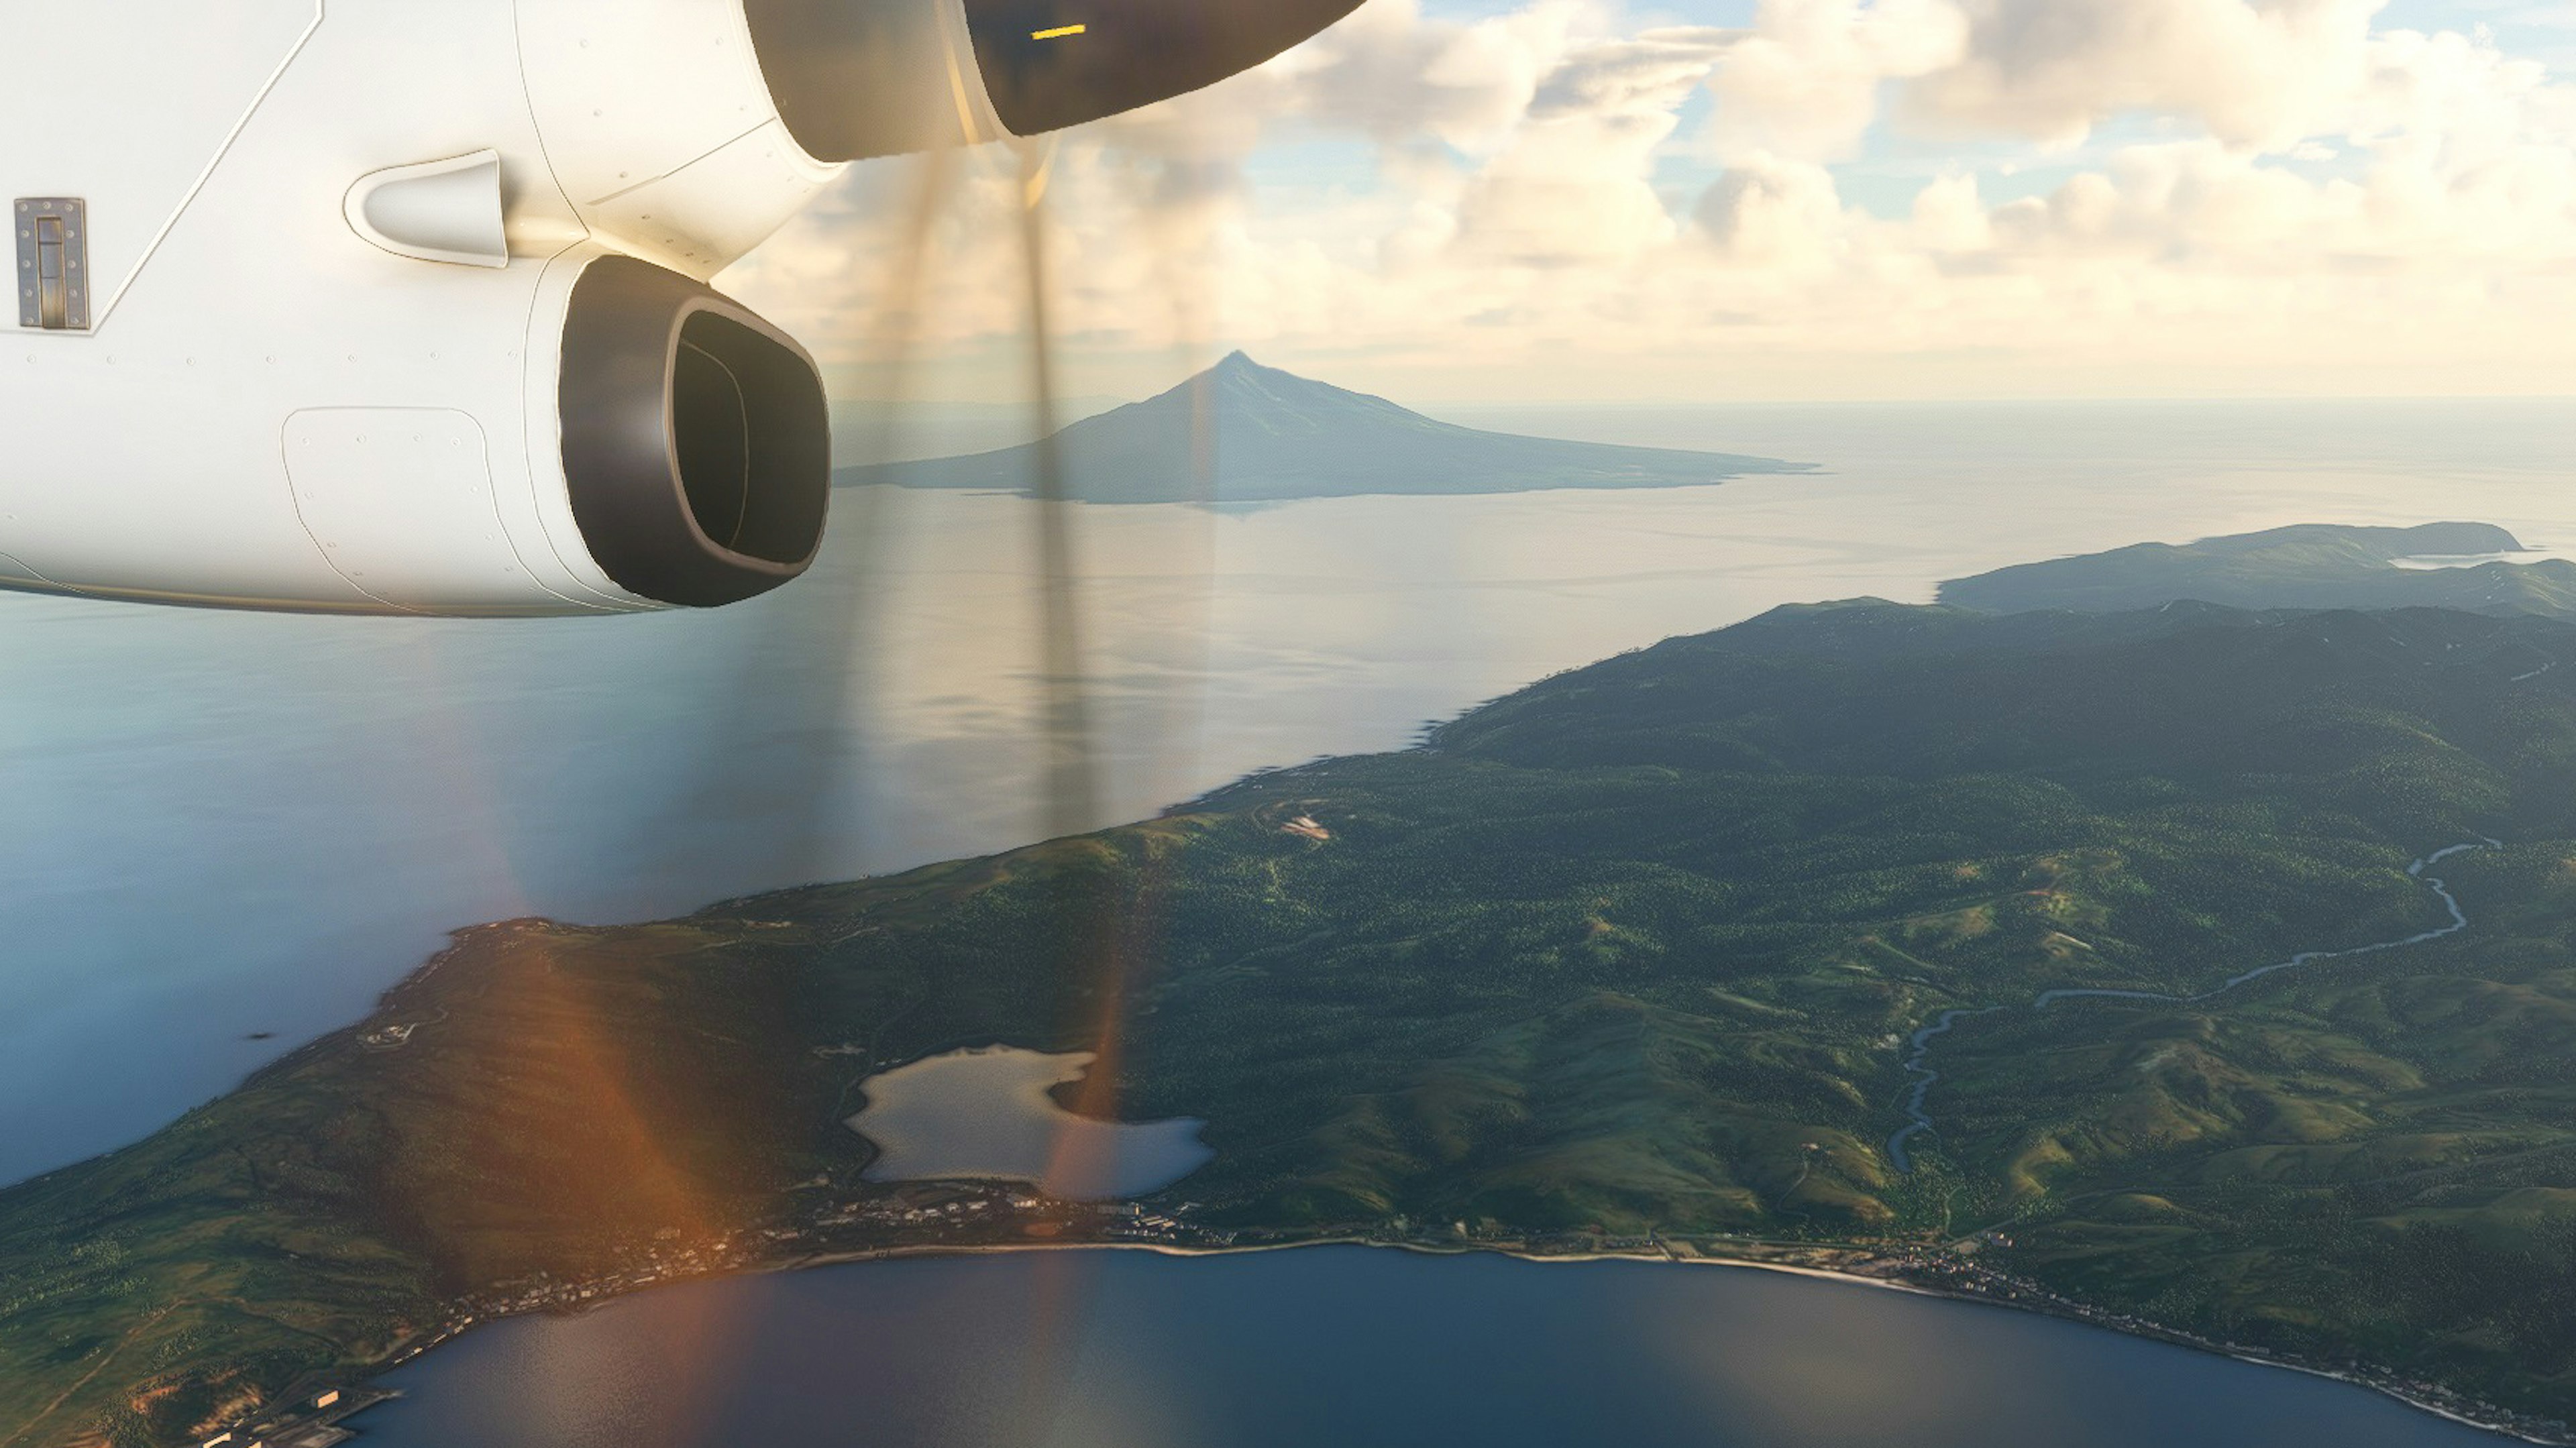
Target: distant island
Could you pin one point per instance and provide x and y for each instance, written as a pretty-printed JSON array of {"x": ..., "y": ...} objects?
[
  {"x": 1242, "y": 433},
  {"x": 2202, "y": 972},
  {"x": 2310, "y": 565}
]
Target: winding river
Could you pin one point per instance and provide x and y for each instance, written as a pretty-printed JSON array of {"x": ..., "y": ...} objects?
[{"x": 1918, "y": 1062}]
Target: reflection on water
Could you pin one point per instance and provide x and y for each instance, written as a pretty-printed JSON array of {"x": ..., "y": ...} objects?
[
  {"x": 220, "y": 825},
  {"x": 992, "y": 1113},
  {"x": 1351, "y": 1348}
]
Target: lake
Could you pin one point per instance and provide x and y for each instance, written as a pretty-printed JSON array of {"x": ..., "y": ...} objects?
[
  {"x": 989, "y": 1113},
  {"x": 1350, "y": 1347}
]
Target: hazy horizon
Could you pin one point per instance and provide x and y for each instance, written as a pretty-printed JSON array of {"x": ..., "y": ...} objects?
[{"x": 1508, "y": 200}]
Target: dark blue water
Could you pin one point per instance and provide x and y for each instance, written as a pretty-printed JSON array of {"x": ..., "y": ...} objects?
[{"x": 1351, "y": 1348}]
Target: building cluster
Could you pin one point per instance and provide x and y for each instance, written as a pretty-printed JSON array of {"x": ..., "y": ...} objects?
[
  {"x": 969, "y": 1213},
  {"x": 878, "y": 1218},
  {"x": 888, "y": 1218},
  {"x": 309, "y": 1417}
]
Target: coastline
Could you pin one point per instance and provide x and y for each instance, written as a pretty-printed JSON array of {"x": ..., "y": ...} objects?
[
  {"x": 2014, "y": 1296},
  {"x": 2503, "y": 1424},
  {"x": 1925, "y": 1268}
]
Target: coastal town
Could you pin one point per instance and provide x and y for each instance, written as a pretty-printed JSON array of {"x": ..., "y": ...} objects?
[
  {"x": 829, "y": 1225},
  {"x": 311, "y": 1416}
]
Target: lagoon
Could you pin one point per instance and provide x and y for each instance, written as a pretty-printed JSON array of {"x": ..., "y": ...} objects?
[{"x": 992, "y": 1114}]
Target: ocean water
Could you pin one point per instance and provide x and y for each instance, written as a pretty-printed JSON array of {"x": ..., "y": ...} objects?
[
  {"x": 1351, "y": 1348},
  {"x": 226, "y": 833}
]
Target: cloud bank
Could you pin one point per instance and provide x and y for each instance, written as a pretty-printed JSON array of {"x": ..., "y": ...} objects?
[{"x": 1843, "y": 198}]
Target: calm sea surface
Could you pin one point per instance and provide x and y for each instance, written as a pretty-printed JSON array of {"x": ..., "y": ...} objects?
[{"x": 1346, "y": 1348}]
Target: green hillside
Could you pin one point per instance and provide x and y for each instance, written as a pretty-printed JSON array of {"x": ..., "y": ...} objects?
[
  {"x": 1635, "y": 950},
  {"x": 2308, "y": 565}
]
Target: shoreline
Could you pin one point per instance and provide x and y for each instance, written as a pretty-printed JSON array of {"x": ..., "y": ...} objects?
[
  {"x": 2061, "y": 1309},
  {"x": 2484, "y": 1417}
]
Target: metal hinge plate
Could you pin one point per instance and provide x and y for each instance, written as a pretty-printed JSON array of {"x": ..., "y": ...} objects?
[{"x": 53, "y": 262}]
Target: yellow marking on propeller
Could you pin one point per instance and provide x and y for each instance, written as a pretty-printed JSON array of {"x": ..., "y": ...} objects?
[{"x": 1059, "y": 33}]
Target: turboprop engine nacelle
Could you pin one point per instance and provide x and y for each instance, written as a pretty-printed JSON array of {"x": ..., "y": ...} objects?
[{"x": 401, "y": 305}]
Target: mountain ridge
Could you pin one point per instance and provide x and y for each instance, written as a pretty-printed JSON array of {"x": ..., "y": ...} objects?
[{"x": 2304, "y": 565}]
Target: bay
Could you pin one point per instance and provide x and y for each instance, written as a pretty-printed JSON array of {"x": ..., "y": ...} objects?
[{"x": 1351, "y": 1347}]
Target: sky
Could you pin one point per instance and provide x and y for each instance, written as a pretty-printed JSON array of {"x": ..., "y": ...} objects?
[{"x": 1758, "y": 200}]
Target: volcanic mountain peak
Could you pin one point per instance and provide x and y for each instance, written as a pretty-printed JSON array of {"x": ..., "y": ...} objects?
[{"x": 1241, "y": 432}]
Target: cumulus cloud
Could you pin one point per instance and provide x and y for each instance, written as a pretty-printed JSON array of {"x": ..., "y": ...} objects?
[
  {"x": 2254, "y": 72},
  {"x": 1573, "y": 183},
  {"x": 2306, "y": 189},
  {"x": 1782, "y": 215},
  {"x": 1805, "y": 80}
]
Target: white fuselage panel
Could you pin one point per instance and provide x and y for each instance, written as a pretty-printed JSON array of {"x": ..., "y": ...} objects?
[{"x": 160, "y": 453}]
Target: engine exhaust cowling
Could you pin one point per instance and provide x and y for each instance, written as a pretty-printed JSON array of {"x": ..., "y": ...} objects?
[
  {"x": 696, "y": 440},
  {"x": 853, "y": 79},
  {"x": 1049, "y": 64}
]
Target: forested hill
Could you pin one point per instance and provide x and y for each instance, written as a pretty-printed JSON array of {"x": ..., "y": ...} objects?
[
  {"x": 1634, "y": 955},
  {"x": 2308, "y": 565},
  {"x": 2205, "y": 696}
]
